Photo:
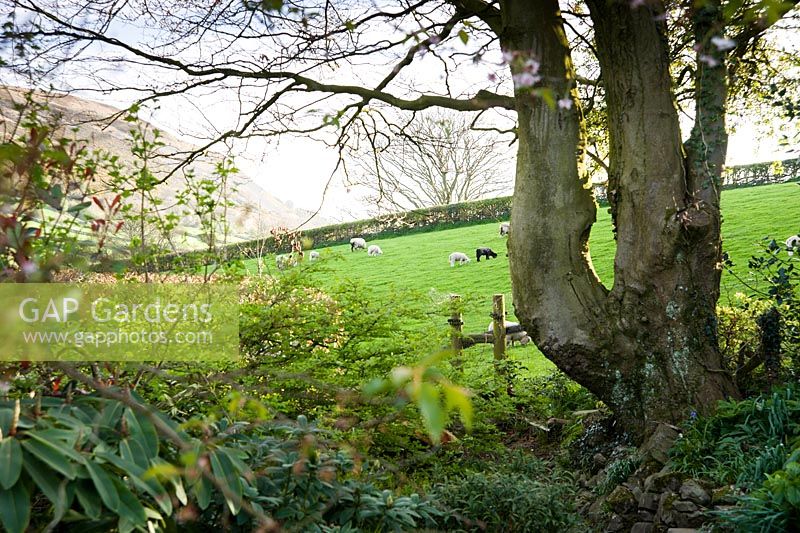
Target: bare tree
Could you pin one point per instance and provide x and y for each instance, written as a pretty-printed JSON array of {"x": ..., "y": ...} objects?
[
  {"x": 646, "y": 345},
  {"x": 436, "y": 161}
]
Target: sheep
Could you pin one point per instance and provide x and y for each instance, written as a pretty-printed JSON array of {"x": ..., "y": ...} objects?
[
  {"x": 520, "y": 336},
  {"x": 487, "y": 252},
  {"x": 374, "y": 250},
  {"x": 313, "y": 255},
  {"x": 505, "y": 227},
  {"x": 357, "y": 243},
  {"x": 458, "y": 257},
  {"x": 792, "y": 244}
]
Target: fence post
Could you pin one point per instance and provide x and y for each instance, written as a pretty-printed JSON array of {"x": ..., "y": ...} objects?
[
  {"x": 499, "y": 326},
  {"x": 457, "y": 323}
]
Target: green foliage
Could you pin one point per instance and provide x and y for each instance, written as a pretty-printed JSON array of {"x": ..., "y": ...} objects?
[
  {"x": 502, "y": 500},
  {"x": 742, "y": 441},
  {"x": 772, "y": 507},
  {"x": 618, "y": 471}
]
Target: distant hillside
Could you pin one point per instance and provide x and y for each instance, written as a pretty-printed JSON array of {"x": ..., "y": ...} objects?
[{"x": 255, "y": 210}]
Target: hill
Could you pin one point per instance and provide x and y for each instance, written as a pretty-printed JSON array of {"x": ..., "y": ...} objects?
[
  {"x": 254, "y": 210},
  {"x": 419, "y": 261}
]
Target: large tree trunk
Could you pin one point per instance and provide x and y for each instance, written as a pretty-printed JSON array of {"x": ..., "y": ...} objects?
[{"x": 648, "y": 346}]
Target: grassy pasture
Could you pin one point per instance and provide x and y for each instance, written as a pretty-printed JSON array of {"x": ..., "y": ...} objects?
[{"x": 419, "y": 261}]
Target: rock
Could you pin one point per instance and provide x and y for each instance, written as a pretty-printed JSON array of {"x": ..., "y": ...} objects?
[
  {"x": 594, "y": 480},
  {"x": 696, "y": 519},
  {"x": 683, "y": 506},
  {"x": 621, "y": 500},
  {"x": 692, "y": 491},
  {"x": 635, "y": 489},
  {"x": 642, "y": 527},
  {"x": 663, "y": 481},
  {"x": 649, "y": 501},
  {"x": 615, "y": 524},
  {"x": 645, "y": 515},
  {"x": 659, "y": 442},
  {"x": 599, "y": 460},
  {"x": 665, "y": 513}
]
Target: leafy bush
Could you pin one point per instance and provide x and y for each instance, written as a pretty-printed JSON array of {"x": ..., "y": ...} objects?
[
  {"x": 772, "y": 507},
  {"x": 502, "y": 501},
  {"x": 618, "y": 471},
  {"x": 742, "y": 442},
  {"x": 95, "y": 462}
]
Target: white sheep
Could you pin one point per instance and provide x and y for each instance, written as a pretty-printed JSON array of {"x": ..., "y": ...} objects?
[
  {"x": 357, "y": 243},
  {"x": 313, "y": 255},
  {"x": 374, "y": 250},
  {"x": 520, "y": 336},
  {"x": 458, "y": 257},
  {"x": 792, "y": 244},
  {"x": 505, "y": 227}
]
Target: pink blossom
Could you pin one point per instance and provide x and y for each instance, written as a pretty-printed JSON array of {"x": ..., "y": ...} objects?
[
  {"x": 28, "y": 268},
  {"x": 565, "y": 103},
  {"x": 508, "y": 56},
  {"x": 531, "y": 65},
  {"x": 723, "y": 43},
  {"x": 523, "y": 80},
  {"x": 492, "y": 77},
  {"x": 708, "y": 60}
]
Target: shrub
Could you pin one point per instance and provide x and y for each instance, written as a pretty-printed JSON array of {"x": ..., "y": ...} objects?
[
  {"x": 742, "y": 442},
  {"x": 772, "y": 507},
  {"x": 501, "y": 501}
]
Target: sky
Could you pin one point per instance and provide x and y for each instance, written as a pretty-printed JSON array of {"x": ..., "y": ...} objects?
[{"x": 298, "y": 170}]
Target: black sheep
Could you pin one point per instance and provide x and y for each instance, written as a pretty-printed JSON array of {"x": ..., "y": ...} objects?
[{"x": 484, "y": 252}]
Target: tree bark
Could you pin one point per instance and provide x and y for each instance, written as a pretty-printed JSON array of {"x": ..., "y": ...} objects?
[{"x": 648, "y": 346}]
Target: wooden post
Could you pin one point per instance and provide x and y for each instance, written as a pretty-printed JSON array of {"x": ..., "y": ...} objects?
[
  {"x": 499, "y": 326},
  {"x": 457, "y": 323}
]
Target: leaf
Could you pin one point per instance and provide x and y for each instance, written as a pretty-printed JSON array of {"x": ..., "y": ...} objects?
[
  {"x": 15, "y": 509},
  {"x": 77, "y": 208},
  {"x": 132, "y": 451},
  {"x": 136, "y": 474},
  {"x": 202, "y": 492},
  {"x": 464, "y": 36},
  {"x": 44, "y": 478},
  {"x": 87, "y": 497},
  {"x": 143, "y": 431},
  {"x": 10, "y": 462},
  {"x": 51, "y": 456},
  {"x": 458, "y": 398},
  {"x": 104, "y": 485},
  {"x": 224, "y": 471},
  {"x": 129, "y": 506},
  {"x": 111, "y": 415},
  {"x": 433, "y": 415}
]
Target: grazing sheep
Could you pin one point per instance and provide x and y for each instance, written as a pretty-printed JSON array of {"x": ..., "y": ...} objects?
[
  {"x": 357, "y": 243},
  {"x": 519, "y": 336},
  {"x": 792, "y": 244},
  {"x": 484, "y": 252},
  {"x": 458, "y": 257},
  {"x": 313, "y": 255},
  {"x": 374, "y": 250},
  {"x": 505, "y": 227}
]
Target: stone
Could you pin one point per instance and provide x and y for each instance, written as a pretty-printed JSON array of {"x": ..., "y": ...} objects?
[
  {"x": 663, "y": 481},
  {"x": 599, "y": 460},
  {"x": 621, "y": 500},
  {"x": 649, "y": 501},
  {"x": 635, "y": 489},
  {"x": 659, "y": 443},
  {"x": 665, "y": 513},
  {"x": 645, "y": 515},
  {"x": 617, "y": 523},
  {"x": 683, "y": 506},
  {"x": 642, "y": 527},
  {"x": 692, "y": 491}
]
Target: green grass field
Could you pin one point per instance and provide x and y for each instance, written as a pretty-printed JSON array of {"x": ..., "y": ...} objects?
[{"x": 419, "y": 261}]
